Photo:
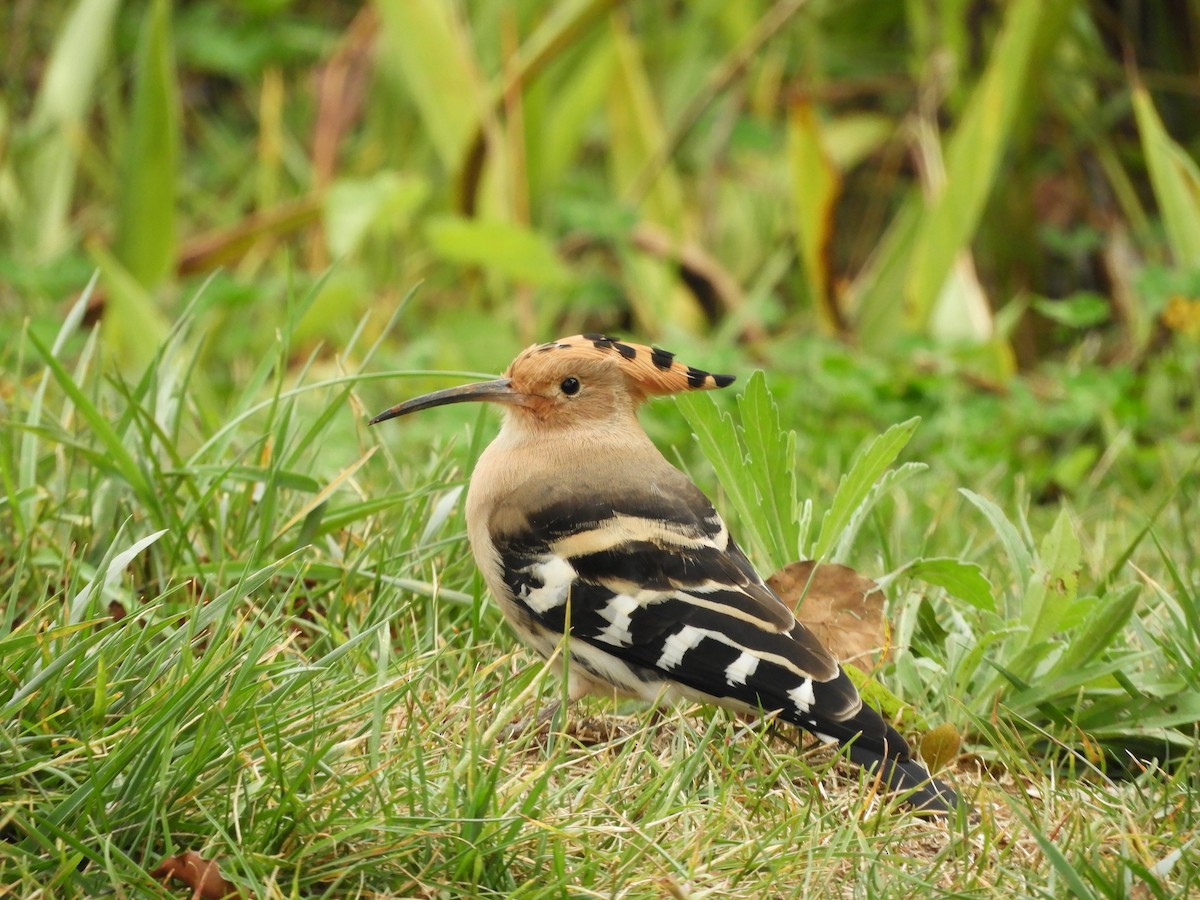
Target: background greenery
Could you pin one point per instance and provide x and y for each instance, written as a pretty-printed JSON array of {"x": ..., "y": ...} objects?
[{"x": 234, "y": 621}]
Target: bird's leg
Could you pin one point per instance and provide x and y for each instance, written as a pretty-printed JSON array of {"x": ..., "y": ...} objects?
[{"x": 537, "y": 726}]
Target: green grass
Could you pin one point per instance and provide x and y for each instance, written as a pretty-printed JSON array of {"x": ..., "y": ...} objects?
[
  {"x": 235, "y": 620},
  {"x": 246, "y": 625}
]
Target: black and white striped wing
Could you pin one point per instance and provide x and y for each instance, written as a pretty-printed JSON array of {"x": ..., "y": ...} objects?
[{"x": 652, "y": 582}]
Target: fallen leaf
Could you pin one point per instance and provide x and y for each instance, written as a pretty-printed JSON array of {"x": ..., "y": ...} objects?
[
  {"x": 940, "y": 745},
  {"x": 842, "y": 608},
  {"x": 202, "y": 875}
]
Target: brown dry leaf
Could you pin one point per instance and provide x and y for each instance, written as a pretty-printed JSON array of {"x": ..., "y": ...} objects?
[
  {"x": 202, "y": 875},
  {"x": 940, "y": 745},
  {"x": 842, "y": 608}
]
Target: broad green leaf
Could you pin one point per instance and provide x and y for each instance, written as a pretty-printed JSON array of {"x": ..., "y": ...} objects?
[
  {"x": 1062, "y": 684},
  {"x": 145, "y": 234},
  {"x": 637, "y": 132},
  {"x": 868, "y": 467},
  {"x": 382, "y": 203},
  {"x": 504, "y": 248},
  {"x": 963, "y": 580},
  {"x": 60, "y": 108},
  {"x": 1176, "y": 181},
  {"x": 438, "y": 69},
  {"x": 1145, "y": 714},
  {"x": 816, "y": 184}
]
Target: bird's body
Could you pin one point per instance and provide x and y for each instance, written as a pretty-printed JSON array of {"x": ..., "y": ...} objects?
[{"x": 582, "y": 528}]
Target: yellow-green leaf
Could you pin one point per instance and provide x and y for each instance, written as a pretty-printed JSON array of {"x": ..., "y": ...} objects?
[
  {"x": 145, "y": 238},
  {"x": 1176, "y": 181}
]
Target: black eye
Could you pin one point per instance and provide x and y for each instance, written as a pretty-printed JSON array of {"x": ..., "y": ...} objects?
[{"x": 570, "y": 386}]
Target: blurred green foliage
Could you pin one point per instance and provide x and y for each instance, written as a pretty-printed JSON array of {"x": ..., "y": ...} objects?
[
  {"x": 978, "y": 213},
  {"x": 986, "y": 174}
]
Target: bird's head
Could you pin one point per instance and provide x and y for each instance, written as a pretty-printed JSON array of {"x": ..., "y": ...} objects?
[{"x": 588, "y": 378}]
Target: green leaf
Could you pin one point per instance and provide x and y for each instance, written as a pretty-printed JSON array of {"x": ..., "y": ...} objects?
[
  {"x": 134, "y": 328},
  {"x": 1054, "y": 583},
  {"x": 637, "y": 132},
  {"x": 1144, "y": 714},
  {"x": 504, "y": 248},
  {"x": 1019, "y": 557},
  {"x": 422, "y": 47},
  {"x": 145, "y": 238},
  {"x": 874, "y": 693},
  {"x": 897, "y": 294},
  {"x": 1060, "y": 863},
  {"x": 771, "y": 464},
  {"x": 885, "y": 483},
  {"x": 722, "y": 447},
  {"x": 63, "y": 101},
  {"x": 1175, "y": 179},
  {"x": 963, "y": 580},
  {"x": 816, "y": 183},
  {"x": 1083, "y": 309},
  {"x": 384, "y": 204},
  {"x": 856, "y": 484},
  {"x": 121, "y": 459},
  {"x": 1104, "y": 622}
]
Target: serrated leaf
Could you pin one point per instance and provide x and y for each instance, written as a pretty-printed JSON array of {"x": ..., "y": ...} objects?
[
  {"x": 721, "y": 446},
  {"x": 856, "y": 484},
  {"x": 962, "y": 580},
  {"x": 771, "y": 463},
  {"x": 886, "y": 482}
]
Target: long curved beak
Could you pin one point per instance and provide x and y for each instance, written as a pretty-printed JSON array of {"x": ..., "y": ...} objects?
[{"x": 498, "y": 391}]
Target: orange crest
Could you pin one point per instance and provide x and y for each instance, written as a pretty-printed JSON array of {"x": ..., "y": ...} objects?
[{"x": 648, "y": 371}]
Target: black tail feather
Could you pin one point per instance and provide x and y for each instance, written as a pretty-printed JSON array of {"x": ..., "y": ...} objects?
[
  {"x": 928, "y": 794},
  {"x": 878, "y": 747}
]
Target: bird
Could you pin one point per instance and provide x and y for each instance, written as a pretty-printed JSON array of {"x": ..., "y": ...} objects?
[{"x": 584, "y": 532}]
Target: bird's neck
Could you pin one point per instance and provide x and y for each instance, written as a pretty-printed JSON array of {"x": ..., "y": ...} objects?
[{"x": 526, "y": 454}]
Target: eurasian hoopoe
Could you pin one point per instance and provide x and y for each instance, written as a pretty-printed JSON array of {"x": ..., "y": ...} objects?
[{"x": 575, "y": 517}]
